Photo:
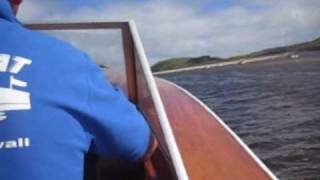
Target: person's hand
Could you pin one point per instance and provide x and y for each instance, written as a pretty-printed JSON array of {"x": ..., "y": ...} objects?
[
  {"x": 149, "y": 168},
  {"x": 153, "y": 145}
]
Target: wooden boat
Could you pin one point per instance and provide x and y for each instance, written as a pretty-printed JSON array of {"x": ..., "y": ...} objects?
[{"x": 194, "y": 143}]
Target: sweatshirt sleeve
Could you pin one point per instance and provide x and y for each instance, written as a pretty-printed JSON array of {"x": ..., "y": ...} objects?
[{"x": 116, "y": 126}]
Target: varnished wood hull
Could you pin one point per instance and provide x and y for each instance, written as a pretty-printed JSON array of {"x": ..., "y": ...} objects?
[{"x": 205, "y": 143}]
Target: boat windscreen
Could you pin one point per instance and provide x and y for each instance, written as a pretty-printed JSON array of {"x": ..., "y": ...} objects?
[{"x": 104, "y": 47}]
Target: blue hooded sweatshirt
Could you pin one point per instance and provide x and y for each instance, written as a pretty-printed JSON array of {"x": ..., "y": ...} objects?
[{"x": 55, "y": 105}]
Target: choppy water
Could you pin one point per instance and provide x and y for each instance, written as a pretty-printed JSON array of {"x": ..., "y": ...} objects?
[{"x": 273, "y": 106}]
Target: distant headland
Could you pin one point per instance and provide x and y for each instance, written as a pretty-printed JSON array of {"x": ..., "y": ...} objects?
[{"x": 190, "y": 63}]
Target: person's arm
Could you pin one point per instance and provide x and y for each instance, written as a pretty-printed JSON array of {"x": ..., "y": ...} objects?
[{"x": 116, "y": 126}]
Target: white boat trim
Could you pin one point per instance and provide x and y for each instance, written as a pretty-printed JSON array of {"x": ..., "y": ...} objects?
[{"x": 164, "y": 122}]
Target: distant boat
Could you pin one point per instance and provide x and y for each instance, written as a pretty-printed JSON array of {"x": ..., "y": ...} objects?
[{"x": 295, "y": 56}]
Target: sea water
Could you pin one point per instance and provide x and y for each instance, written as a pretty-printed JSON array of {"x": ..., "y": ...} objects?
[{"x": 274, "y": 106}]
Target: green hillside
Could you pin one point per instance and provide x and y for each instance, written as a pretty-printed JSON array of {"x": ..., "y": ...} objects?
[
  {"x": 183, "y": 62},
  {"x": 176, "y": 63}
]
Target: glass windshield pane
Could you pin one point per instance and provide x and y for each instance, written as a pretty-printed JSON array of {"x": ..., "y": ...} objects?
[{"x": 104, "y": 47}]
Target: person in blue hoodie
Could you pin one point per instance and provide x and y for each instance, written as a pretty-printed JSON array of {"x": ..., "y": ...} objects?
[{"x": 56, "y": 105}]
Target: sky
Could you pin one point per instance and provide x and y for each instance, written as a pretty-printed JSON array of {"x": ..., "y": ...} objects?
[{"x": 180, "y": 28}]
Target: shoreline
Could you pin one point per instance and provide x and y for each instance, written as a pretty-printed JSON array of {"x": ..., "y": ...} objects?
[{"x": 235, "y": 62}]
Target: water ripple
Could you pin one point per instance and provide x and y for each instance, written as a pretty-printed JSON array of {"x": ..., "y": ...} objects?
[{"x": 273, "y": 106}]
